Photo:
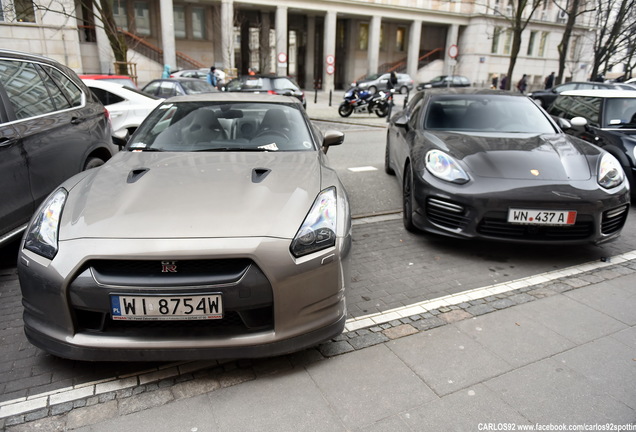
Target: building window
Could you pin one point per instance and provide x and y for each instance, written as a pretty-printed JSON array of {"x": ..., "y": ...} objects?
[
  {"x": 400, "y": 36},
  {"x": 508, "y": 42},
  {"x": 363, "y": 37},
  {"x": 198, "y": 23},
  {"x": 1, "y": 11},
  {"x": 119, "y": 13},
  {"x": 533, "y": 36},
  {"x": 574, "y": 48},
  {"x": 24, "y": 11},
  {"x": 495, "y": 41},
  {"x": 544, "y": 39},
  {"x": 179, "y": 22},
  {"x": 142, "y": 19}
]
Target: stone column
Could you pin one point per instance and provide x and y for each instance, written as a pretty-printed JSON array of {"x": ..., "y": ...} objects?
[
  {"x": 104, "y": 50},
  {"x": 281, "y": 40},
  {"x": 374, "y": 44},
  {"x": 264, "y": 51},
  {"x": 451, "y": 39},
  {"x": 328, "y": 82},
  {"x": 310, "y": 52},
  {"x": 167, "y": 34},
  {"x": 227, "y": 34},
  {"x": 415, "y": 35}
]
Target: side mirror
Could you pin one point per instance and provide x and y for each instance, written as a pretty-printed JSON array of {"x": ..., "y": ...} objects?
[
  {"x": 332, "y": 138},
  {"x": 401, "y": 121},
  {"x": 119, "y": 141},
  {"x": 578, "y": 123}
]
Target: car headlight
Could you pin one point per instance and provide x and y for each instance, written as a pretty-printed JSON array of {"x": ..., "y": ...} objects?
[
  {"x": 445, "y": 167},
  {"x": 318, "y": 230},
  {"x": 42, "y": 234},
  {"x": 610, "y": 172}
]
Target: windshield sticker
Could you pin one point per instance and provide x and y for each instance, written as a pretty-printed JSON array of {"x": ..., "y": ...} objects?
[
  {"x": 306, "y": 144},
  {"x": 271, "y": 146}
]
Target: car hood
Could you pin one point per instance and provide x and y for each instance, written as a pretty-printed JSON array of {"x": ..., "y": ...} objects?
[
  {"x": 188, "y": 195},
  {"x": 520, "y": 156}
]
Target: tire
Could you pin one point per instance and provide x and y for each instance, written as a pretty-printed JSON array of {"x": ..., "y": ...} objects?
[
  {"x": 387, "y": 160},
  {"x": 407, "y": 200},
  {"x": 404, "y": 90},
  {"x": 345, "y": 109},
  {"x": 382, "y": 110},
  {"x": 541, "y": 103},
  {"x": 373, "y": 89},
  {"x": 93, "y": 162}
]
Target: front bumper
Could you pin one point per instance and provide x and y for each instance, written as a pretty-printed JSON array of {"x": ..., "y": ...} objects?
[
  {"x": 273, "y": 303},
  {"x": 471, "y": 211}
]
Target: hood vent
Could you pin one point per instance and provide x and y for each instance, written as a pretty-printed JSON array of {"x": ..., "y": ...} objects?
[
  {"x": 136, "y": 174},
  {"x": 259, "y": 174}
]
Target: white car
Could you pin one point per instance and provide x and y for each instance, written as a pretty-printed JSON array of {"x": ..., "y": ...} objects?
[{"x": 127, "y": 107}]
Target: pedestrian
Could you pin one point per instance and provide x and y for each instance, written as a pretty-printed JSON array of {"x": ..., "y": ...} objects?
[
  {"x": 549, "y": 81},
  {"x": 390, "y": 85},
  {"x": 522, "y": 84},
  {"x": 504, "y": 82},
  {"x": 212, "y": 79},
  {"x": 166, "y": 71},
  {"x": 494, "y": 82}
]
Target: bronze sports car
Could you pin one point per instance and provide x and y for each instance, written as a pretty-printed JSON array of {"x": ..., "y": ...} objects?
[
  {"x": 219, "y": 232},
  {"x": 493, "y": 165}
]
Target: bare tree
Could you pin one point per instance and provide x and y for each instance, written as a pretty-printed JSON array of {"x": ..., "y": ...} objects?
[
  {"x": 572, "y": 10},
  {"x": 614, "y": 20}
]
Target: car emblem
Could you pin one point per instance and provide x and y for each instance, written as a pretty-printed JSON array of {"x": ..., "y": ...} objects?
[
  {"x": 168, "y": 266},
  {"x": 534, "y": 172}
]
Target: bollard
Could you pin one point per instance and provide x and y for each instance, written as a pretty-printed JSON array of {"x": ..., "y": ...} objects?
[
  {"x": 329, "y": 97},
  {"x": 316, "y": 95}
]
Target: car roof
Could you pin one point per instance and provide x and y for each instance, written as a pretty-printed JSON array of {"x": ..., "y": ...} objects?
[
  {"x": 603, "y": 93},
  {"x": 103, "y": 76},
  {"x": 237, "y": 97},
  {"x": 471, "y": 91},
  {"x": 26, "y": 56}
]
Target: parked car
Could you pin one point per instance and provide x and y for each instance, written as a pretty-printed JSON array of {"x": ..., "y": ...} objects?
[
  {"x": 606, "y": 118},
  {"x": 124, "y": 80},
  {"x": 546, "y": 97},
  {"x": 493, "y": 165},
  {"x": 201, "y": 73},
  {"x": 196, "y": 241},
  {"x": 376, "y": 82},
  {"x": 51, "y": 127},
  {"x": 169, "y": 87},
  {"x": 445, "y": 81},
  {"x": 271, "y": 84},
  {"x": 127, "y": 107}
]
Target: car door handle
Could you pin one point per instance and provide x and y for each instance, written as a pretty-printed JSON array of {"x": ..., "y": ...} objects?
[
  {"x": 77, "y": 120},
  {"x": 6, "y": 142}
]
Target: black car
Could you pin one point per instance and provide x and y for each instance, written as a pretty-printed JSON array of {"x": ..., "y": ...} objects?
[
  {"x": 493, "y": 165},
  {"x": 271, "y": 84},
  {"x": 169, "y": 87},
  {"x": 445, "y": 81},
  {"x": 546, "y": 97},
  {"x": 51, "y": 127},
  {"x": 610, "y": 122}
]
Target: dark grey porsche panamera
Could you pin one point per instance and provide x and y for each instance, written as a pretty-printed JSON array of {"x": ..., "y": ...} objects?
[{"x": 493, "y": 165}]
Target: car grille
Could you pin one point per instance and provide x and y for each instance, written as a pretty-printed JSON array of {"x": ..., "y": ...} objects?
[
  {"x": 495, "y": 224},
  {"x": 613, "y": 220},
  {"x": 247, "y": 296},
  {"x": 446, "y": 214}
]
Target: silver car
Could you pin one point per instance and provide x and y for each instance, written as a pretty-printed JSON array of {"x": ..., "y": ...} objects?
[
  {"x": 376, "y": 82},
  {"x": 219, "y": 232}
]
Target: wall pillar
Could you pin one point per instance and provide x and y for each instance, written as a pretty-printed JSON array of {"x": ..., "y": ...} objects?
[
  {"x": 451, "y": 39},
  {"x": 310, "y": 52},
  {"x": 413, "y": 55},
  {"x": 227, "y": 34},
  {"x": 281, "y": 40},
  {"x": 167, "y": 34},
  {"x": 373, "y": 48},
  {"x": 330, "y": 49}
]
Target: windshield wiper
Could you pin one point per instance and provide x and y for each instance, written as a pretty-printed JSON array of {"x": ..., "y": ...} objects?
[
  {"x": 229, "y": 149},
  {"x": 146, "y": 149}
]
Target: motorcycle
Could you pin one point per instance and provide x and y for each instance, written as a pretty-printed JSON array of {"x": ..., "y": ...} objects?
[{"x": 361, "y": 101}]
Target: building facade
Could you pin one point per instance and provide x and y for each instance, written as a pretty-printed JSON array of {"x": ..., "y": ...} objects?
[{"x": 326, "y": 44}]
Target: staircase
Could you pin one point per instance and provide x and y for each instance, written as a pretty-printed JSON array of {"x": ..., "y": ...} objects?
[
  {"x": 155, "y": 53},
  {"x": 400, "y": 65}
]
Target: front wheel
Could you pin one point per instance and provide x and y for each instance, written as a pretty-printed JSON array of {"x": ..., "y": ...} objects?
[
  {"x": 404, "y": 90},
  {"x": 93, "y": 162},
  {"x": 407, "y": 200},
  {"x": 387, "y": 160},
  {"x": 345, "y": 109}
]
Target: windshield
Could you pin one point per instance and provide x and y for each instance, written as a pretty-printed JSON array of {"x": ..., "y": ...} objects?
[
  {"x": 486, "y": 113},
  {"x": 223, "y": 126},
  {"x": 620, "y": 112},
  {"x": 197, "y": 86}
]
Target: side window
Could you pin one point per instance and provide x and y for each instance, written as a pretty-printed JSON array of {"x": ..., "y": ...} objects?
[
  {"x": 106, "y": 97},
  {"x": 26, "y": 90},
  {"x": 562, "y": 107},
  {"x": 587, "y": 107},
  {"x": 152, "y": 88},
  {"x": 59, "y": 99},
  {"x": 566, "y": 87},
  {"x": 70, "y": 90},
  {"x": 414, "y": 114}
]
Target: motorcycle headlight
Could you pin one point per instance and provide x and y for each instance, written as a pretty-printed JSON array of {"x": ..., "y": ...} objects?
[
  {"x": 445, "y": 167},
  {"x": 610, "y": 172},
  {"x": 318, "y": 230},
  {"x": 42, "y": 233}
]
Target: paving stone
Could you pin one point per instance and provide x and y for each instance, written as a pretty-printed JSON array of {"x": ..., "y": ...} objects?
[
  {"x": 144, "y": 401},
  {"x": 502, "y": 304},
  {"x": 62, "y": 408},
  {"x": 480, "y": 309},
  {"x": 91, "y": 415},
  {"x": 335, "y": 348},
  {"x": 400, "y": 331},
  {"x": 429, "y": 323},
  {"x": 521, "y": 298},
  {"x": 368, "y": 340},
  {"x": 236, "y": 376},
  {"x": 455, "y": 315},
  {"x": 48, "y": 424}
]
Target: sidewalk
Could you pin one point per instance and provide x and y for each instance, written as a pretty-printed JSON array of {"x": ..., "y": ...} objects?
[{"x": 555, "y": 354}]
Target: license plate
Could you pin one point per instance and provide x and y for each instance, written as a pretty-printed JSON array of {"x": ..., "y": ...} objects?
[
  {"x": 541, "y": 217},
  {"x": 192, "y": 307}
]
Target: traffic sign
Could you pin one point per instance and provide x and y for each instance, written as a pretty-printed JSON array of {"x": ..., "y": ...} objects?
[
  {"x": 282, "y": 57},
  {"x": 453, "y": 51},
  {"x": 330, "y": 69},
  {"x": 331, "y": 59}
]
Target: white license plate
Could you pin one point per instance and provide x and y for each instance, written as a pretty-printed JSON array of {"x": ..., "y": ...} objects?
[
  {"x": 541, "y": 217},
  {"x": 140, "y": 308}
]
